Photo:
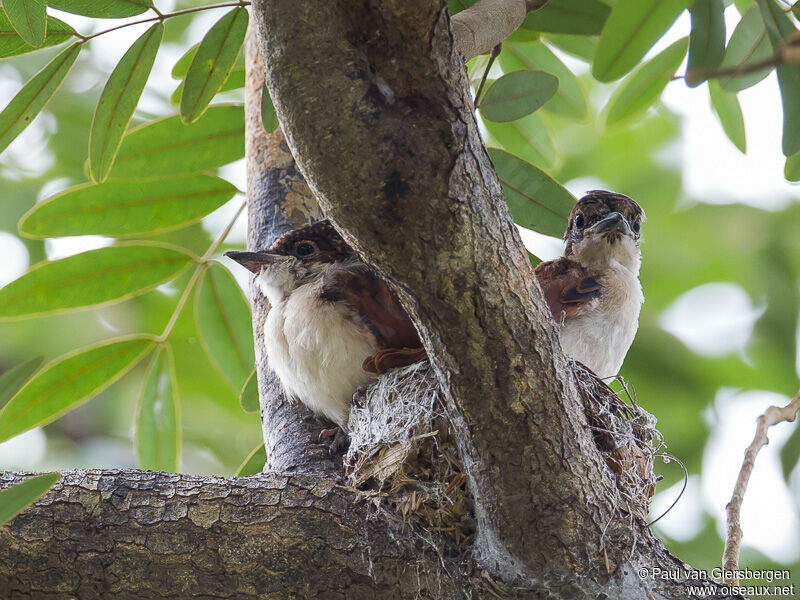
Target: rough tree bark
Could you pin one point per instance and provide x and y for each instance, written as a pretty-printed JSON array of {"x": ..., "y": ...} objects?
[
  {"x": 278, "y": 200},
  {"x": 376, "y": 109}
]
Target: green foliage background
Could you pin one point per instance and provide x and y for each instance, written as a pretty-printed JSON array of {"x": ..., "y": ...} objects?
[{"x": 545, "y": 125}]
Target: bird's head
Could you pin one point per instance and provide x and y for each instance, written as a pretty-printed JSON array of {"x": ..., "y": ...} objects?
[
  {"x": 604, "y": 228},
  {"x": 295, "y": 258}
]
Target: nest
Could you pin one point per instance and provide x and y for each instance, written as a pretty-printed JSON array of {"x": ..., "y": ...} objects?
[
  {"x": 402, "y": 458},
  {"x": 626, "y": 436}
]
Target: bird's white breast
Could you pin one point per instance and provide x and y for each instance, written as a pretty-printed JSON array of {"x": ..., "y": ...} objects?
[
  {"x": 601, "y": 336},
  {"x": 317, "y": 349}
]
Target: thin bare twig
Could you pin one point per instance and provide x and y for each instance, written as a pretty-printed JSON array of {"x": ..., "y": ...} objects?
[
  {"x": 789, "y": 53},
  {"x": 198, "y": 271},
  {"x": 743, "y": 69},
  {"x": 162, "y": 16},
  {"x": 495, "y": 51},
  {"x": 772, "y": 416}
]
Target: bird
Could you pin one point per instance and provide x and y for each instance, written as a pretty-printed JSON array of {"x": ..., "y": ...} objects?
[
  {"x": 593, "y": 290},
  {"x": 333, "y": 325}
]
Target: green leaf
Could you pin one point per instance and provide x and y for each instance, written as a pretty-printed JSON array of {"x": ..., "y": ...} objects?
[
  {"x": 748, "y": 44},
  {"x": 517, "y": 94},
  {"x": 791, "y": 169},
  {"x": 33, "y": 97},
  {"x": 269, "y": 118},
  {"x": 225, "y": 326},
  {"x": 248, "y": 397},
  {"x": 644, "y": 87},
  {"x": 579, "y": 46},
  {"x": 127, "y": 208},
  {"x": 796, "y": 9},
  {"x": 181, "y": 67},
  {"x": 213, "y": 63},
  {"x": 158, "y": 415},
  {"x": 780, "y": 28},
  {"x": 11, "y": 44},
  {"x": 14, "y": 499},
  {"x": 631, "y": 30},
  {"x": 707, "y": 39},
  {"x": 456, "y": 6},
  {"x": 91, "y": 278},
  {"x": 69, "y": 381},
  {"x": 528, "y": 138},
  {"x": 254, "y": 463},
  {"x": 582, "y": 17},
  {"x": 569, "y": 99},
  {"x": 170, "y": 147},
  {"x": 118, "y": 101},
  {"x": 535, "y": 199},
  {"x": 234, "y": 81},
  {"x": 29, "y": 18},
  {"x": 102, "y": 9},
  {"x": 726, "y": 107},
  {"x": 13, "y": 379}
]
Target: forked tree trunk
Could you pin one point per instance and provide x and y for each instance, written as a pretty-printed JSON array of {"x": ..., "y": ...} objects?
[{"x": 376, "y": 108}]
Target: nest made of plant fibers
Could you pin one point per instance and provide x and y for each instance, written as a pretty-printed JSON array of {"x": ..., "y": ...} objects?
[
  {"x": 403, "y": 459},
  {"x": 626, "y": 436}
]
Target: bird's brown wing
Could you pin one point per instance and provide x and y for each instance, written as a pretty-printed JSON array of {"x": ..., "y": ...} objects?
[
  {"x": 567, "y": 287},
  {"x": 357, "y": 285}
]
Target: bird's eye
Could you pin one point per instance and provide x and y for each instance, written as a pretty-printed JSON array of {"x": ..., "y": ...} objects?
[
  {"x": 304, "y": 249},
  {"x": 579, "y": 221},
  {"x": 637, "y": 226}
]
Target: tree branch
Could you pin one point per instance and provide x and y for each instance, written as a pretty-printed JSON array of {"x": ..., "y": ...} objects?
[
  {"x": 137, "y": 535},
  {"x": 394, "y": 157},
  {"x": 140, "y": 535},
  {"x": 278, "y": 200},
  {"x": 772, "y": 416}
]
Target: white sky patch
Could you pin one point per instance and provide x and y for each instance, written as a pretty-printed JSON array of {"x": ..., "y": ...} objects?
[
  {"x": 15, "y": 258},
  {"x": 52, "y": 187},
  {"x": 685, "y": 521},
  {"x": 28, "y": 155},
  {"x": 23, "y": 451},
  {"x": 218, "y": 220},
  {"x": 168, "y": 289},
  {"x": 541, "y": 246},
  {"x": 68, "y": 246},
  {"x": 769, "y": 515},
  {"x": 236, "y": 173},
  {"x": 714, "y": 320},
  {"x": 714, "y": 171},
  {"x": 579, "y": 186}
]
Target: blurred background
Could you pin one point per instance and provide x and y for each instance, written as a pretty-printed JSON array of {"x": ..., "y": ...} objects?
[{"x": 717, "y": 344}]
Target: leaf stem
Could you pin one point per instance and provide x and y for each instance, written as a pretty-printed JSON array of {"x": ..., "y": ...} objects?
[
  {"x": 163, "y": 16},
  {"x": 495, "y": 51},
  {"x": 199, "y": 270}
]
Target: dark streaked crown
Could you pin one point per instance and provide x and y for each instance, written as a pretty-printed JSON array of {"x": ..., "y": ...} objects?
[
  {"x": 328, "y": 245},
  {"x": 596, "y": 205}
]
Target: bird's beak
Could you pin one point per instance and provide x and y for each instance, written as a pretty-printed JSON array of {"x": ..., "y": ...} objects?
[
  {"x": 254, "y": 261},
  {"x": 612, "y": 222}
]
